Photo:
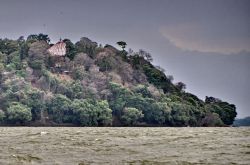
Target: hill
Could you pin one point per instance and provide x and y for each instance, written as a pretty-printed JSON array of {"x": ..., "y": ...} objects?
[
  {"x": 242, "y": 122},
  {"x": 94, "y": 85}
]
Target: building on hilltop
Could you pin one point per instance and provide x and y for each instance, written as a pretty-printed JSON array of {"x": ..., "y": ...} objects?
[
  {"x": 58, "y": 52},
  {"x": 59, "y": 49}
]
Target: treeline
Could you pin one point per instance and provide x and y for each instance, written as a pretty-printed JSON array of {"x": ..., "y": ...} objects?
[
  {"x": 242, "y": 122},
  {"x": 96, "y": 86}
]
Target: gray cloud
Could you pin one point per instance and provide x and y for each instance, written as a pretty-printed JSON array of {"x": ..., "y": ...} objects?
[{"x": 194, "y": 36}]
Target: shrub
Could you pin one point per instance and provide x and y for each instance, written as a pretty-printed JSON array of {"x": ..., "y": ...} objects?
[
  {"x": 18, "y": 113},
  {"x": 2, "y": 116},
  {"x": 59, "y": 109},
  {"x": 131, "y": 116}
]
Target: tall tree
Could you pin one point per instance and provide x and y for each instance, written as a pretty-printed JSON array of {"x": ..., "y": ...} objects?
[{"x": 122, "y": 44}]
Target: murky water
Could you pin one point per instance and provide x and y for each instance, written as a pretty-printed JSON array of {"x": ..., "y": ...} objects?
[{"x": 81, "y": 146}]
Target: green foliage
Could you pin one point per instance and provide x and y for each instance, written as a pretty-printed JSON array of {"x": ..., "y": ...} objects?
[
  {"x": 143, "y": 90},
  {"x": 158, "y": 78},
  {"x": 70, "y": 49},
  {"x": 118, "y": 100},
  {"x": 227, "y": 112},
  {"x": 131, "y": 116},
  {"x": 35, "y": 100},
  {"x": 154, "y": 112},
  {"x": 38, "y": 55},
  {"x": 18, "y": 113},
  {"x": 180, "y": 86},
  {"x": 8, "y": 46},
  {"x": 1, "y": 69},
  {"x": 106, "y": 63},
  {"x": 137, "y": 61},
  {"x": 59, "y": 109},
  {"x": 2, "y": 116},
  {"x": 23, "y": 53},
  {"x": 104, "y": 113},
  {"x": 212, "y": 120},
  {"x": 78, "y": 73},
  {"x": 3, "y": 58},
  {"x": 74, "y": 90},
  {"x": 180, "y": 114},
  {"x": 83, "y": 113},
  {"x": 85, "y": 45},
  {"x": 39, "y": 37},
  {"x": 87, "y": 113},
  {"x": 15, "y": 61},
  {"x": 27, "y": 87}
]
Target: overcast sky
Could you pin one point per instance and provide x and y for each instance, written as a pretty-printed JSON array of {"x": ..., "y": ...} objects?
[{"x": 203, "y": 43}]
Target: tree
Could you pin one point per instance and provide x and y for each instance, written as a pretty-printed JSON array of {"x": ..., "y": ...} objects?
[
  {"x": 8, "y": 46},
  {"x": 104, "y": 113},
  {"x": 18, "y": 113},
  {"x": 143, "y": 90},
  {"x": 59, "y": 109},
  {"x": 91, "y": 113},
  {"x": 87, "y": 46},
  {"x": 122, "y": 44},
  {"x": 83, "y": 113},
  {"x": 21, "y": 40},
  {"x": 107, "y": 63},
  {"x": 23, "y": 53},
  {"x": 212, "y": 120},
  {"x": 70, "y": 49},
  {"x": 2, "y": 116},
  {"x": 227, "y": 112},
  {"x": 75, "y": 90},
  {"x": 35, "y": 100},
  {"x": 38, "y": 54},
  {"x": 43, "y": 37},
  {"x": 180, "y": 86},
  {"x": 40, "y": 37},
  {"x": 131, "y": 116},
  {"x": 180, "y": 114}
]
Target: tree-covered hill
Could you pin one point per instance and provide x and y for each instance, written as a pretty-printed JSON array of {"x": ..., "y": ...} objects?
[
  {"x": 96, "y": 86},
  {"x": 242, "y": 122}
]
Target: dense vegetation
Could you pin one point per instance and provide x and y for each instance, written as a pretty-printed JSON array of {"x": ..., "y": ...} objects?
[{"x": 96, "y": 86}]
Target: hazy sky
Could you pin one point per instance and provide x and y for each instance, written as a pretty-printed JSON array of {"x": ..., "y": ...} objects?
[{"x": 203, "y": 43}]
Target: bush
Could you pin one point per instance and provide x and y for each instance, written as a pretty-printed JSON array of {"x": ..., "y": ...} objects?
[
  {"x": 104, "y": 113},
  {"x": 87, "y": 113},
  {"x": 143, "y": 90},
  {"x": 35, "y": 100},
  {"x": 79, "y": 73},
  {"x": 59, "y": 109},
  {"x": 38, "y": 54},
  {"x": 18, "y": 113},
  {"x": 227, "y": 112},
  {"x": 2, "y": 116},
  {"x": 131, "y": 116},
  {"x": 212, "y": 120}
]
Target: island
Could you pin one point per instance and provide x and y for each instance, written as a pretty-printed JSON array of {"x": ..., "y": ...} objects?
[{"x": 87, "y": 84}]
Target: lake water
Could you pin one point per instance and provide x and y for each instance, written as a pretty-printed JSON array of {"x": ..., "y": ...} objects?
[{"x": 82, "y": 146}]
